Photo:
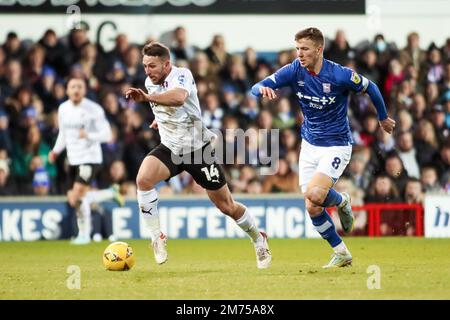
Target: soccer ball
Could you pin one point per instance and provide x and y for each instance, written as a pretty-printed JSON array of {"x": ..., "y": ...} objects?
[{"x": 118, "y": 256}]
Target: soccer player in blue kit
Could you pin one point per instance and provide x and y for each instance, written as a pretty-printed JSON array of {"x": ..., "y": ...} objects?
[{"x": 322, "y": 88}]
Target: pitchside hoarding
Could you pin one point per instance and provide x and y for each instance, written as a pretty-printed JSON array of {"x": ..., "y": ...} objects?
[
  {"x": 186, "y": 218},
  {"x": 437, "y": 216},
  {"x": 187, "y": 6}
]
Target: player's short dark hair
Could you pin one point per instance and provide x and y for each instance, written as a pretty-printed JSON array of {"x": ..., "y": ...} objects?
[
  {"x": 313, "y": 34},
  {"x": 156, "y": 49}
]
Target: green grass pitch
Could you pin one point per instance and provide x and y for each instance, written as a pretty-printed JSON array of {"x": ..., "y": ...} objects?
[{"x": 410, "y": 268}]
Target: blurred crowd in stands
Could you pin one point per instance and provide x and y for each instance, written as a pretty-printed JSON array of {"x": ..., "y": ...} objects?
[{"x": 414, "y": 80}]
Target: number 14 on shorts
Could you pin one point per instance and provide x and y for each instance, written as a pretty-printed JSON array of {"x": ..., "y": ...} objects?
[{"x": 212, "y": 174}]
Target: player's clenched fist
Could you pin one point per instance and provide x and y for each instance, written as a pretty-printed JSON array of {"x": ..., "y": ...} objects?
[{"x": 388, "y": 125}]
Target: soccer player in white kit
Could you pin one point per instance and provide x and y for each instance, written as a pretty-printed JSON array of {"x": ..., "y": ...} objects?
[
  {"x": 82, "y": 128},
  {"x": 172, "y": 95}
]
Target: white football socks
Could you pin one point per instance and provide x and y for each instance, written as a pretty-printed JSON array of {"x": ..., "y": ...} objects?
[
  {"x": 99, "y": 195},
  {"x": 341, "y": 248},
  {"x": 148, "y": 204},
  {"x": 247, "y": 223},
  {"x": 84, "y": 219}
]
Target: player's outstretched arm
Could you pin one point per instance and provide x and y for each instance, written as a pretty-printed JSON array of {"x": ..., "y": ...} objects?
[
  {"x": 387, "y": 123},
  {"x": 171, "y": 98},
  {"x": 260, "y": 91},
  {"x": 282, "y": 77},
  {"x": 137, "y": 95}
]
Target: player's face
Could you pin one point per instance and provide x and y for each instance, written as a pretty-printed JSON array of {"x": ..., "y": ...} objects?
[
  {"x": 308, "y": 52},
  {"x": 76, "y": 90},
  {"x": 156, "y": 68}
]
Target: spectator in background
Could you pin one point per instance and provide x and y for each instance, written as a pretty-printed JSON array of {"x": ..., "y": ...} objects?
[
  {"x": 76, "y": 39},
  {"x": 368, "y": 65},
  {"x": 412, "y": 54},
  {"x": 357, "y": 173},
  {"x": 44, "y": 88},
  {"x": 203, "y": 69},
  {"x": 381, "y": 148},
  {"x": 429, "y": 179},
  {"x": 405, "y": 121},
  {"x": 395, "y": 170},
  {"x": 418, "y": 106},
  {"x": 41, "y": 182},
  {"x": 247, "y": 173},
  {"x": 413, "y": 191},
  {"x": 13, "y": 47},
  {"x": 7, "y": 185},
  {"x": 445, "y": 82},
  {"x": 5, "y": 137},
  {"x": 30, "y": 146},
  {"x": 446, "y": 104},
  {"x": 12, "y": 80},
  {"x": 285, "y": 180},
  {"x": 54, "y": 51},
  {"x": 235, "y": 74},
  {"x": 217, "y": 53},
  {"x": 248, "y": 112},
  {"x": 254, "y": 186},
  {"x": 339, "y": 50},
  {"x": 425, "y": 142},
  {"x": 408, "y": 153},
  {"x": 251, "y": 63},
  {"x": 2, "y": 62},
  {"x": 443, "y": 162},
  {"x": 180, "y": 47},
  {"x": 367, "y": 136},
  {"x": 284, "y": 118},
  {"x": 134, "y": 72},
  {"x": 117, "y": 54},
  {"x": 394, "y": 77},
  {"x": 437, "y": 118},
  {"x": 413, "y": 194},
  {"x": 212, "y": 111},
  {"x": 433, "y": 69},
  {"x": 90, "y": 65},
  {"x": 432, "y": 93},
  {"x": 403, "y": 96},
  {"x": 288, "y": 142},
  {"x": 383, "y": 190}
]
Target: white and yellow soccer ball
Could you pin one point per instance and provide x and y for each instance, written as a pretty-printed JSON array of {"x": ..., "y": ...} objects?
[{"x": 118, "y": 256}]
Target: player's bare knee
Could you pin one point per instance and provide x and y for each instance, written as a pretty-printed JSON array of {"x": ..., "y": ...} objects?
[
  {"x": 144, "y": 183},
  {"x": 316, "y": 195}
]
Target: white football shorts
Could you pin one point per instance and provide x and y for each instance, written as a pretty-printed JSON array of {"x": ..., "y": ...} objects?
[{"x": 327, "y": 160}]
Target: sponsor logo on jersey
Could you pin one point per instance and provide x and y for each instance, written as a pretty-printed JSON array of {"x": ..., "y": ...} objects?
[
  {"x": 323, "y": 100},
  {"x": 181, "y": 79},
  {"x": 326, "y": 87},
  {"x": 355, "y": 78},
  {"x": 301, "y": 83}
]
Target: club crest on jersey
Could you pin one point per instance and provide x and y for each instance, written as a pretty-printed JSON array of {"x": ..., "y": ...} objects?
[
  {"x": 355, "y": 78},
  {"x": 326, "y": 87}
]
